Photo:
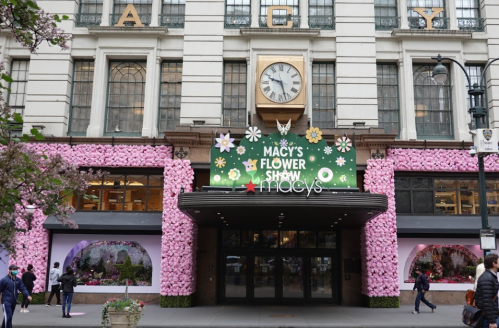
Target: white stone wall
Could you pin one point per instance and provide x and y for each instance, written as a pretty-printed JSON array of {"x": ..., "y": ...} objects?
[{"x": 203, "y": 45}]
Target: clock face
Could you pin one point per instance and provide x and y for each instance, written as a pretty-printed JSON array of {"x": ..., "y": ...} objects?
[{"x": 280, "y": 82}]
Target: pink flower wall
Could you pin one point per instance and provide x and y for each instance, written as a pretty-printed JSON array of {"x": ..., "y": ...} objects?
[
  {"x": 178, "y": 244},
  {"x": 32, "y": 246},
  {"x": 379, "y": 236}
]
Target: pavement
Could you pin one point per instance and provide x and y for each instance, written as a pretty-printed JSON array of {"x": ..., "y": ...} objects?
[{"x": 250, "y": 316}]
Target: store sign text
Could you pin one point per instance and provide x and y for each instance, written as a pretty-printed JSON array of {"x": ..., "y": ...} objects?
[{"x": 298, "y": 186}]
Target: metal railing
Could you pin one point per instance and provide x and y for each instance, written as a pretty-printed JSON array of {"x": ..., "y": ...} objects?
[
  {"x": 439, "y": 23},
  {"x": 322, "y": 22},
  {"x": 386, "y": 22},
  {"x": 280, "y": 20},
  {"x": 144, "y": 19},
  {"x": 82, "y": 20},
  {"x": 471, "y": 24},
  {"x": 237, "y": 21},
  {"x": 172, "y": 21}
]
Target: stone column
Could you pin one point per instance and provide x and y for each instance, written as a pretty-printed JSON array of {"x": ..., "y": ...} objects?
[
  {"x": 404, "y": 24},
  {"x": 303, "y": 13},
  {"x": 450, "y": 8},
  {"x": 106, "y": 10},
  {"x": 98, "y": 109},
  {"x": 156, "y": 9},
  {"x": 255, "y": 13}
]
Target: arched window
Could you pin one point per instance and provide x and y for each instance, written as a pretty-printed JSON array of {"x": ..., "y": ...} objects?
[
  {"x": 432, "y": 105},
  {"x": 125, "y": 106}
]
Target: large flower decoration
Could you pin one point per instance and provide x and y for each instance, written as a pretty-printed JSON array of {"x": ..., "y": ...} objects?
[
  {"x": 314, "y": 135},
  {"x": 343, "y": 144},
  {"x": 328, "y": 150},
  {"x": 220, "y": 162},
  {"x": 217, "y": 178},
  {"x": 234, "y": 174},
  {"x": 240, "y": 150},
  {"x": 340, "y": 161},
  {"x": 253, "y": 134},
  {"x": 224, "y": 142}
]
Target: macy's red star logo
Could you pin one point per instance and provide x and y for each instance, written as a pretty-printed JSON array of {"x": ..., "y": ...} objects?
[{"x": 250, "y": 186}]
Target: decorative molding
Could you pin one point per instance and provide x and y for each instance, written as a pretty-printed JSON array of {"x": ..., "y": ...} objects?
[
  {"x": 181, "y": 153},
  {"x": 417, "y": 33},
  {"x": 279, "y": 32},
  {"x": 127, "y": 31},
  {"x": 377, "y": 155}
]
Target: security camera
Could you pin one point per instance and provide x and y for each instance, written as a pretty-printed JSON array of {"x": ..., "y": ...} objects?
[{"x": 473, "y": 151}]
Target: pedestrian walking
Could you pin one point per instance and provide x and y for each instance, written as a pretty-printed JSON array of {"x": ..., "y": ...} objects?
[
  {"x": 480, "y": 269},
  {"x": 486, "y": 292},
  {"x": 55, "y": 273},
  {"x": 28, "y": 278},
  {"x": 421, "y": 285},
  {"x": 10, "y": 285},
  {"x": 68, "y": 283}
]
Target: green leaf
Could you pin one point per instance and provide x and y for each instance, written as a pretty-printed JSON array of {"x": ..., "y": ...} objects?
[
  {"x": 65, "y": 17},
  {"x": 18, "y": 118},
  {"x": 36, "y": 134},
  {"x": 32, "y": 4},
  {"x": 7, "y": 78}
]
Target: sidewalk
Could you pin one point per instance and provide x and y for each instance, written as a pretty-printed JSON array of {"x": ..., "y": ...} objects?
[{"x": 86, "y": 315}]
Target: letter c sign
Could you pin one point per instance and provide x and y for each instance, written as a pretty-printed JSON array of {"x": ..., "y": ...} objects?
[{"x": 281, "y": 19}]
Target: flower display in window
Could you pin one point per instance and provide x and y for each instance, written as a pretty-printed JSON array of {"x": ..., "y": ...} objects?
[
  {"x": 220, "y": 162},
  {"x": 343, "y": 144},
  {"x": 314, "y": 135},
  {"x": 253, "y": 134},
  {"x": 224, "y": 142}
]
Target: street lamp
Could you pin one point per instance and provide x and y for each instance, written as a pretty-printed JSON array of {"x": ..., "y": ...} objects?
[
  {"x": 478, "y": 112},
  {"x": 30, "y": 209}
]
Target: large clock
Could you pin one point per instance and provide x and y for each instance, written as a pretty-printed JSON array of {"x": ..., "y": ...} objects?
[{"x": 280, "y": 82}]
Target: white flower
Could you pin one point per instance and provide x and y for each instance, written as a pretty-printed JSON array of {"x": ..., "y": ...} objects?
[
  {"x": 285, "y": 175},
  {"x": 241, "y": 150},
  {"x": 234, "y": 174},
  {"x": 343, "y": 178},
  {"x": 343, "y": 144},
  {"x": 325, "y": 174},
  {"x": 216, "y": 178},
  {"x": 253, "y": 134},
  {"x": 340, "y": 161},
  {"x": 328, "y": 150}
]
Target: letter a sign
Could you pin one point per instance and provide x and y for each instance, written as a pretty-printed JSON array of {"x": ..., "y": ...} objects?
[{"x": 130, "y": 10}]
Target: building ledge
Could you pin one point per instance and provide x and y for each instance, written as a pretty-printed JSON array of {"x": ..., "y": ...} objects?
[
  {"x": 279, "y": 32},
  {"x": 416, "y": 33},
  {"x": 125, "y": 31}
]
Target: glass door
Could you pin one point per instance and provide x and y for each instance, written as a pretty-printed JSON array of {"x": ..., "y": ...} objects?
[
  {"x": 235, "y": 276},
  {"x": 321, "y": 277},
  {"x": 264, "y": 277},
  {"x": 292, "y": 277}
]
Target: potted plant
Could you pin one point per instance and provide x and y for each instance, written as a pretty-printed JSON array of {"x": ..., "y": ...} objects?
[{"x": 123, "y": 312}]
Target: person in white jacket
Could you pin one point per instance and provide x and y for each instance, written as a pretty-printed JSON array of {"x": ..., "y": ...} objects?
[{"x": 55, "y": 273}]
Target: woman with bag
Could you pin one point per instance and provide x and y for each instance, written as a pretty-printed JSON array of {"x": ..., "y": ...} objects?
[
  {"x": 28, "y": 279},
  {"x": 68, "y": 282}
]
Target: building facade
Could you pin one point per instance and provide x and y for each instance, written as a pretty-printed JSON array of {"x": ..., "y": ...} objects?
[{"x": 145, "y": 89}]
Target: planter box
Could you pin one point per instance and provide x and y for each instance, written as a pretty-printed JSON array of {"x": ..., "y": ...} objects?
[{"x": 120, "y": 319}]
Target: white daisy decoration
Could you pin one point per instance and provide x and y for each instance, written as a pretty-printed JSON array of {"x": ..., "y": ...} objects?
[
  {"x": 343, "y": 144},
  {"x": 253, "y": 134},
  {"x": 340, "y": 161},
  {"x": 328, "y": 150},
  {"x": 343, "y": 178},
  {"x": 216, "y": 178},
  {"x": 285, "y": 175},
  {"x": 240, "y": 150}
]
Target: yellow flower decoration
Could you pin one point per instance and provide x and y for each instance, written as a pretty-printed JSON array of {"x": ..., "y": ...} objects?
[
  {"x": 314, "y": 135},
  {"x": 220, "y": 162}
]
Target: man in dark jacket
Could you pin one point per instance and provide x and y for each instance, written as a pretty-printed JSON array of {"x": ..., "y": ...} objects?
[
  {"x": 10, "y": 286},
  {"x": 486, "y": 292},
  {"x": 422, "y": 285}
]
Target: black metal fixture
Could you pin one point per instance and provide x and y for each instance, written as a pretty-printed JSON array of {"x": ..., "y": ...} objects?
[
  {"x": 182, "y": 190},
  {"x": 478, "y": 112},
  {"x": 181, "y": 153}
]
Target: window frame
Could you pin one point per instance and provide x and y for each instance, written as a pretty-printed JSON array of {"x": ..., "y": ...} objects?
[
  {"x": 176, "y": 20},
  {"x": 416, "y": 21},
  {"x": 386, "y": 22},
  {"x": 71, "y": 104},
  {"x": 475, "y": 78},
  {"x": 145, "y": 18},
  {"x": 295, "y": 16},
  {"x": 224, "y": 83},
  {"x": 26, "y": 72},
  {"x": 327, "y": 125},
  {"x": 472, "y": 22},
  {"x": 96, "y": 17},
  {"x": 397, "y": 86},
  {"x": 238, "y": 20},
  {"x": 106, "y": 115},
  {"x": 161, "y": 82},
  {"x": 322, "y": 23},
  {"x": 448, "y": 84}
]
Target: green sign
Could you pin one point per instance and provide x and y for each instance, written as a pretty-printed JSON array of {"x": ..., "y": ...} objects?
[{"x": 283, "y": 160}]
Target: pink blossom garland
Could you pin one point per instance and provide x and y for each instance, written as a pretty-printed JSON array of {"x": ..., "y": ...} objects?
[
  {"x": 178, "y": 244},
  {"x": 379, "y": 236},
  {"x": 32, "y": 246}
]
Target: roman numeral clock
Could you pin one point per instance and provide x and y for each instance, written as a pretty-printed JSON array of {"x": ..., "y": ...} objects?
[{"x": 280, "y": 88}]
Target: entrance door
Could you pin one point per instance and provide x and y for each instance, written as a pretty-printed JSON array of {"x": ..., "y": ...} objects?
[
  {"x": 235, "y": 282},
  {"x": 321, "y": 277},
  {"x": 292, "y": 277}
]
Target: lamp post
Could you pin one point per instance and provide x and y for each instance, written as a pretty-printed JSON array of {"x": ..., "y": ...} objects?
[
  {"x": 478, "y": 111},
  {"x": 30, "y": 209}
]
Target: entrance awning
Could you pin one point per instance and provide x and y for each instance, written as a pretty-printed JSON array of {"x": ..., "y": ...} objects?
[{"x": 267, "y": 209}]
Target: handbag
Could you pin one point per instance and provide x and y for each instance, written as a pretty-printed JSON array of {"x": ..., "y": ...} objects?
[
  {"x": 472, "y": 316},
  {"x": 470, "y": 297}
]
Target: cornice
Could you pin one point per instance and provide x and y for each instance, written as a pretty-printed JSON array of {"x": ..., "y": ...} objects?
[
  {"x": 279, "y": 32},
  {"x": 423, "y": 34},
  {"x": 126, "y": 31}
]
